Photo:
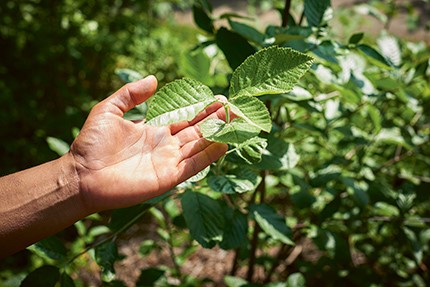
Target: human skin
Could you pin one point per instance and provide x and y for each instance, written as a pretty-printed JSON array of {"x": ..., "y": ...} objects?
[{"x": 113, "y": 163}]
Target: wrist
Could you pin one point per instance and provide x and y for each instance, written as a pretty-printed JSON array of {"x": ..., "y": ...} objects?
[{"x": 73, "y": 177}]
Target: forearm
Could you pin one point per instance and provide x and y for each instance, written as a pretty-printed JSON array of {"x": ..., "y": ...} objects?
[{"x": 38, "y": 202}]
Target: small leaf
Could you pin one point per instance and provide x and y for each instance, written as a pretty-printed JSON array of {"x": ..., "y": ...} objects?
[
  {"x": 178, "y": 101},
  {"x": 247, "y": 31},
  {"x": 390, "y": 49},
  {"x": 202, "y": 19},
  {"x": 375, "y": 55},
  {"x": 235, "y": 132},
  {"x": 231, "y": 281},
  {"x": 45, "y": 276},
  {"x": 128, "y": 75},
  {"x": 296, "y": 280},
  {"x": 252, "y": 149},
  {"x": 314, "y": 11},
  {"x": 279, "y": 155},
  {"x": 66, "y": 280},
  {"x": 253, "y": 111},
  {"x": 106, "y": 254},
  {"x": 272, "y": 223},
  {"x": 272, "y": 70},
  {"x": 356, "y": 38},
  {"x": 149, "y": 276},
  {"x": 58, "y": 145},
  {"x": 204, "y": 218},
  {"x": 235, "y": 47}
]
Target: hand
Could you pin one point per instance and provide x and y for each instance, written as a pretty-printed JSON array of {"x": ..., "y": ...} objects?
[{"x": 121, "y": 162}]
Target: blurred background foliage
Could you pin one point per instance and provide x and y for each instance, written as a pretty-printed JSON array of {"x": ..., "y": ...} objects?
[{"x": 59, "y": 57}]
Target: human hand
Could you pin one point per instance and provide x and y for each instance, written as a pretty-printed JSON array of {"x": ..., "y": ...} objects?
[{"x": 122, "y": 162}]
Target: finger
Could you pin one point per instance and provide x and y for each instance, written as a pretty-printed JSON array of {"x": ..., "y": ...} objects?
[
  {"x": 194, "y": 147},
  {"x": 192, "y": 165},
  {"x": 176, "y": 127},
  {"x": 129, "y": 96}
]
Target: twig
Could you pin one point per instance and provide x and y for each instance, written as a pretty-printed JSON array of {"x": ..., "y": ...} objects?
[{"x": 286, "y": 13}]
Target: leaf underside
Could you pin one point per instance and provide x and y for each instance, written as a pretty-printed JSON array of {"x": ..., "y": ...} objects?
[
  {"x": 178, "y": 101},
  {"x": 235, "y": 132},
  {"x": 253, "y": 111}
]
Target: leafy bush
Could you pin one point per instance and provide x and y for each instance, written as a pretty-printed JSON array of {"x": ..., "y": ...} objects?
[{"x": 335, "y": 193}]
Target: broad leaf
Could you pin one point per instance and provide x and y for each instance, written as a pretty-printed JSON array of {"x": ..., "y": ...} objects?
[
  {"x": 236, "y": 231},
  {"x": 252, "y": 149},
  {"x": 45, "y": 276},
  {"x": 51, "y": 247},
  {"x": 253, "y": 111},
  {"x": 374, "y": 56},
  {"x": 272, "y": 223},
  {"x": 247, "y": 31},
  {"x": 270, "y": 71},
  {"x": 202, "y": 19},
  {"x": 314, "y": 11},
  {"x": 106, "y": 254},
  {"x": 195, "y": 64},
  {"x": 235, "y": 47},
  {"x": 204, "y": 218},
  {"x": 240, "y": 181},
  {"x": 178, "y": 101},
  {"x": 235, "y": 132},
  {"x": 149, "y": 276},
  {"x": 66, "y": 280}
]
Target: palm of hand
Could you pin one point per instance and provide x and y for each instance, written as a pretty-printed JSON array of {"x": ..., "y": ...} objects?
[{"x": 121, "y": 162}]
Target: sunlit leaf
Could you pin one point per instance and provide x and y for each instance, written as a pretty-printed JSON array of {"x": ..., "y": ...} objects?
[
  {"x": 272, "y": 70},
  {"x": 178, "y": 101}
]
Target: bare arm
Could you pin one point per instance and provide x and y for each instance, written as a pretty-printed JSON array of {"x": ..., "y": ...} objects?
[{"x": 113, "y": 163}]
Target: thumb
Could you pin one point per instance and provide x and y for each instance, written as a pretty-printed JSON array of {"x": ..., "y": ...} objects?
[{"x": 130, "y": 95}]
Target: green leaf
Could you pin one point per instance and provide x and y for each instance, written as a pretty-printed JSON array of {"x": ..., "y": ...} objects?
[
  {"x": 66, "y": 280},
  {"x": 314, "y": 11},
  {"x": 231, "y": 281},
  {"x": 235, "y": 132},
  {"x": 390, "y": 49},
  {"x": 149, "y": 276},
  {"x": 202, "y": 19},
  {"x": 123, "y": 217},
  {"x": 374, "y": 56},
  {"x": 128, "y": 75},
  {"x": 279, "y": 155},
  {"x": 196, "y": 64},
  {"x": 204, "y": 218},
  {"x": 58, "y": 145},
  {"x": 296, "y": 280},
  {"x": 272, "y": 70},
  {"x": 248, "y": 32},
  {"x": 106, "y": 254},
  {"x": 236, "y": 231},
  {"x": 235, "y": 47},
  {"x": 240, "y": 181},
  {"x": 356, "y": 38},
  {"x": 50, "y": 247},
  {"x": 272, "y": 223},
  {"x": 45, "y": 276},
  {"x": 252, "y": 149},
  {"x": 178, "y": 101},
  {"x": 253, "y": 111}
]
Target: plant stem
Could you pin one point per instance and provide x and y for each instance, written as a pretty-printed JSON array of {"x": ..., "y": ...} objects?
[
  {"x": 261, "y": 189},
  {"x": 170, "y": 245},
  {"x": 286, "y": 13},
  {"x": 234, "y": 264}
]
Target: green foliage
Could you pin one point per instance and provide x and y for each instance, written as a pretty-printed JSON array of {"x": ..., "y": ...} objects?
[{"x": 326, "y": 178}]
